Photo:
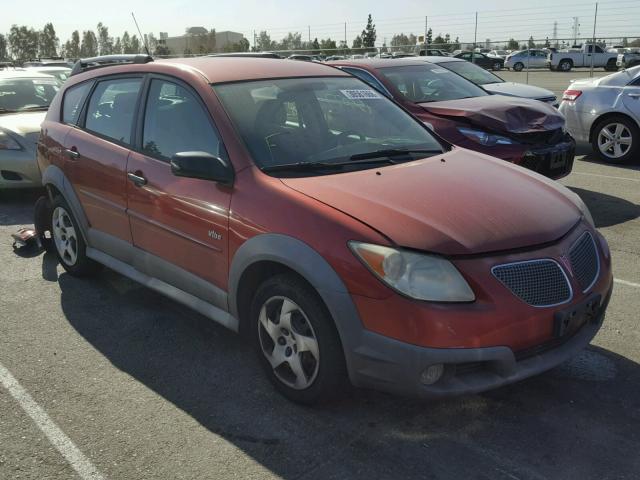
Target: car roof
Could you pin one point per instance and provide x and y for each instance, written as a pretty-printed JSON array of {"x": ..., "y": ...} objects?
[
  {"x": 235, "y": 69},
  {"x": 8, "y": 74},
  {"x": 48, "y": 68},
  {"x": 391, "y": 62}
]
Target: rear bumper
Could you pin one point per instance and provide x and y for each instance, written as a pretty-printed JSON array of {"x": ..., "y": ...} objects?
[
  {"x": 386, "y": 364},
  {"x": 19, "y": 169}
]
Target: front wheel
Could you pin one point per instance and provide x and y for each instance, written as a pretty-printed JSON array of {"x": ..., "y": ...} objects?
[
  {"x": 497, "y": 66},
  {"x": 565, "y": 65},
  {"x": 616, "y": 139},
  {"x": 518, "y": 66},
  {"x": 296, "y": 341}
]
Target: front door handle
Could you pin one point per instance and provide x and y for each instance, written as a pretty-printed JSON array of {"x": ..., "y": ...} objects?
[
  {"x": 72, "y": 153},
  {"x": 138, "y": 180},
  {"x": 634, "y": 95}
]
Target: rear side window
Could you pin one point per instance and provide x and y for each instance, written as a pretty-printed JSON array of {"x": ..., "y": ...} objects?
[
  {"x": 175, "y": 121},
  {"x": 112, "y": 107},
  {"x": 72, "y": 102}
]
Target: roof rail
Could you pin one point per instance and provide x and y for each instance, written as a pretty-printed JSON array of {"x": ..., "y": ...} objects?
[{"x": 85, "y": 64}]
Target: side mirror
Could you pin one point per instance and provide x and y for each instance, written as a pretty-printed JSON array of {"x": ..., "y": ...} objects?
[{"x": 201, "y": 165}]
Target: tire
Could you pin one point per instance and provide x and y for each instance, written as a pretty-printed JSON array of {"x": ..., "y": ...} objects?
[
  {"x": 496, "y": 66},
  {"x": 611, "y": 66},
  {"x": 68, "y": 242},
  {"x": 518, "y": 66},
  {"x": 300, "y": 351},
  {"x": 565, "y": 65},
  {"x": 624, "y": 134}
]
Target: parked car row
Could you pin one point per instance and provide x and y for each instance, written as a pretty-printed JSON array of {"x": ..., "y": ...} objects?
[{"x": 345, "y": 238}]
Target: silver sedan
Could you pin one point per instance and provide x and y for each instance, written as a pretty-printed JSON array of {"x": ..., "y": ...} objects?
[
  {"x": 606, "y": 112},
  {"x": 24, "y": 100}
]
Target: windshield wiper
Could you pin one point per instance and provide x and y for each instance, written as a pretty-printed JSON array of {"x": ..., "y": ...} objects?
[
  {"x": 393, "y": 152},
  {"x": 302, "y": 166}
]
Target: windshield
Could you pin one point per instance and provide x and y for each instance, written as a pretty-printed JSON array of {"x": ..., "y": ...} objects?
[
  {"x": 321, "y": 120},
  {"x": 472, "y": 72},
  {"x": 20, "y": 94},
  {"x": 430, "y": 83}
]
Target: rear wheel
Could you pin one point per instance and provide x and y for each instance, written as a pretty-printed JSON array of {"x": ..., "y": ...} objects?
[
  {"x": 616, "y": 139},
  {"x": 565, "y": 65},
  {"x": 296, "y": 341},
  {"x": 611, "y": 65},
  {"x": 67, "y": 238},
  {"x": 518, "y": 67},
  {"x": 497, "y": 66}
]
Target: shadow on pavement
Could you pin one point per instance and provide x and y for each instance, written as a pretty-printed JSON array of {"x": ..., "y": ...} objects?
[
  {"x": 591, "y": 157},
  {"x": 580, "y": 420},
  {"x": 16, "y": 206},
  {"x": 607, "y": 210}
]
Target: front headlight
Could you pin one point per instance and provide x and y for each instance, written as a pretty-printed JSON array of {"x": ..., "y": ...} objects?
[
  {"x": 485, "y": 138},
  {"x": 7, "y": 142},
  {"x": 416, "y": 275}
]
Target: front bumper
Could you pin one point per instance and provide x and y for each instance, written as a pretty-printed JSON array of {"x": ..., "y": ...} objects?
[{"x": 383, "y": 363}]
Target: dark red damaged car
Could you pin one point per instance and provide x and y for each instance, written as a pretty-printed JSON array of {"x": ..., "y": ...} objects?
[{"x": 520, "y": 130}]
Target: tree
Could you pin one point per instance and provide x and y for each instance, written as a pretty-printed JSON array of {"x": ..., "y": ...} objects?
[
  {"x": 547, "y": 43},
  {"x": 264, "y": 43},
  {"x": 440, "y": 42},
  {"x": 531, "y": 43},
  {"x": 126, "y": 42},
  {"x": 4, "y": 54},
  {"x": 357, "y": 43},
  {"x": 105, "y": 42},
  {"x": 293, "y": 41},
  {"x": 398, "y": 41},
  {"x": 23, "y": 43},
  {"x": 211, "y": 40},
  {"x": 135, "y": 44},
  {"x": 369, "y": 34},
  {"x": 429, "y": 38},
  {"x": 89, "y": 45},
  {"x": 151, "y": 41},
  {"x": 315, "y": 46},
  {"x": 512, "y": 44},
  {"x": 328, "y": 47},
  {"x": 161, "y": 50},
  {"x": 48, "y": 43},
  {"x": 117, "y": 47}
]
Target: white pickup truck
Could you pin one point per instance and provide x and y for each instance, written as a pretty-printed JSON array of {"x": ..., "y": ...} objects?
[{"x": 564, "y": 61}]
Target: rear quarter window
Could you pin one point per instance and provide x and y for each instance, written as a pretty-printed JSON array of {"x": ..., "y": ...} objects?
[{"x": 72, "y": 102}]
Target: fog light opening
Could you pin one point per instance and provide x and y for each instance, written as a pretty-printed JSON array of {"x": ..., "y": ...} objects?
[{"x": 432, "y": 374}]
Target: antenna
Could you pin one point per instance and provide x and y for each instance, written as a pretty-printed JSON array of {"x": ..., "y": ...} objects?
[{"x": 144, "y": 40}]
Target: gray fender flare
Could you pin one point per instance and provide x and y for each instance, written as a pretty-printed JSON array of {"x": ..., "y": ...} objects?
[
  {"x": 301, "y": 258},
  {"x": 53, "y": 175}
]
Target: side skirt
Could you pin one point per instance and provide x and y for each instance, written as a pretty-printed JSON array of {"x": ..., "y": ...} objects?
[{"x": 210, "y": 311}]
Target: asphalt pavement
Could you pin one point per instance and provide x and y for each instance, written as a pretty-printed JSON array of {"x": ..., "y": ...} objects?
[{"x": 101, "y": 378}]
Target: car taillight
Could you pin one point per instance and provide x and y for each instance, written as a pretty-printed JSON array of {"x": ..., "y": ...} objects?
[{"x": 571, "y": 95}]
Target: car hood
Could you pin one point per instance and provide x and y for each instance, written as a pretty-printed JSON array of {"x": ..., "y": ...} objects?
[
  {"x": 22, "y": 124},
  {"x": 458, "y": 203},
  {"x": 494, "y": 112},
  {"x": 513, "y": 89}
]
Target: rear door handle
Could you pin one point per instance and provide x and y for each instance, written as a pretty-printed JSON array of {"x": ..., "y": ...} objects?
[
  {"x": 71, "y": 153},
  {"x": 138, "y": 180}
]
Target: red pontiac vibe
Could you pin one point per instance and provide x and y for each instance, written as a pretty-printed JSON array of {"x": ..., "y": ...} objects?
[
  {"x": 293, "y": 203},
  {"x": 523, "y": 131}
]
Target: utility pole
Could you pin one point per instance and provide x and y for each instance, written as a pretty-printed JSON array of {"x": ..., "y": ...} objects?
[
  {"x": 593, "y": 42},
  {"x": 475, "y": 38},
  {"x": 555, "y": 34},
  {"x": 309, "y": 33},
  {"x": 345, "y": 37},
  {"x": 576, "y": 31},
  {"x": 255, "y": 48},
  {"x": 426, "y": 29}
]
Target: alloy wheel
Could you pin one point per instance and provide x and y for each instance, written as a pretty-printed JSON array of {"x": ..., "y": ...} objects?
[
  {"x": 614, "y": 140},
  {"x": 65, "y": 236},
  {"x": 288, "y": 342}
]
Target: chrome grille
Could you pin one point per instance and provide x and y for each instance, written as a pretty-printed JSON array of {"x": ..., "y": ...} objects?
[
  {"x": 540, "y": 283},
  {"x": 584, "y": 261}
]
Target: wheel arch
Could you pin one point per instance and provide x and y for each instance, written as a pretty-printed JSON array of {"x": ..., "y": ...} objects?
[
  {"x": 270, "y": 254},
  {"x": 604, "y": 116}
]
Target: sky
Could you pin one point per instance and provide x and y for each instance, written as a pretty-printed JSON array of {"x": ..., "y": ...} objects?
[{"x": 497, "y": 19}]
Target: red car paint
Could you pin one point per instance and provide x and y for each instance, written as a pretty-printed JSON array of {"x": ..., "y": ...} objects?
[{"x": 477, "y": 211}]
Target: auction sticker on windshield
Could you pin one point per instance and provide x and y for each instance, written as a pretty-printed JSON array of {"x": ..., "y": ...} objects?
[{"x": 361, "y": 94}]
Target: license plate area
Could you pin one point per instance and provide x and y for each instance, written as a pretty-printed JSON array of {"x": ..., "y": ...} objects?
[
  {"x": 558, "y": 159},
  {"x": 569, "y": 321}
]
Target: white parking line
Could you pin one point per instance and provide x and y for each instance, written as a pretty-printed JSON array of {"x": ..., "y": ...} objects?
[
  {"x": 81, "y": 464},
  {"x": 627, "y": 283},
  {"x": 607, "y": 176}
]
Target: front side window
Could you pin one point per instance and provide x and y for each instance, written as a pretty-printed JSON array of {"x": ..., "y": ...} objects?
[
  {"x": 366, "y": 77},
  {"x": 112, "y": 107},
  {"x": 430, "y": 83},
  {"x": 322, "y": 121},
  {"x": 24, "y": 94},
  {"x": 72, "y": 102},
  {"x": 472, "y": 72},
  {"x": 175, "y": 121}
]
